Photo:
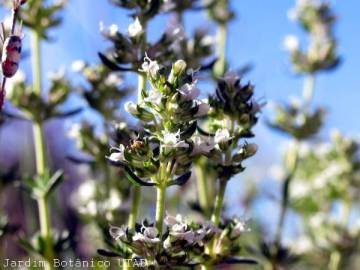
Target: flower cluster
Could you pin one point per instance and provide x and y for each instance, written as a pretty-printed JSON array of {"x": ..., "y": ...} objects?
[
  {"x": 39, "y": 108},
  {"x": 169, "y": 111},
  {"x": 184, "y": 243},
  {"x": 332, "y": 171},
  {"x": 293, "y": 120},
  {"x": 232, "y": 116},
  {"x": 128, "y": 50},
  {"x": 42, "y": 17},
  {"x": 105, "y": 90},
  {"x": 317, "y": 18}
]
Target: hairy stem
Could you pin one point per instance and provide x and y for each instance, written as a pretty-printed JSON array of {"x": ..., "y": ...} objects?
[{"x": 40, "y": 153}]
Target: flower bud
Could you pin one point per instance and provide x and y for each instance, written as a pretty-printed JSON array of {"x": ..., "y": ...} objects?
[
  {"x": 178, "y": 69},
  {"x": 131, "y": 108}
]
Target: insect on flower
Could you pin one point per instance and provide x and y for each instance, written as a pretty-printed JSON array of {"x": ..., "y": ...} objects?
[{"x": 136, "y": 144}]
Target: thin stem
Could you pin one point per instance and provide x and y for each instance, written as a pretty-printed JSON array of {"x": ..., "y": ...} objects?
[
  {"x": 335, "y": 259},
  {"x": 134, "y": 207},
  {"x": 36, "y": 62},
  {"x": 220, "y": 65},
  {"x": 202, "y": 186},
  {"x": 160, "y": 207},
  {"x": 141, "y": 85},
  {"x": 285, "y": 197},
  {"x": 40, "y": 153},
  {"x": 308, "y": 91},
  {"x": 219, "y": 202},
  {"x": 45, "y": 229},
  {"x": 40, "y": 148}
]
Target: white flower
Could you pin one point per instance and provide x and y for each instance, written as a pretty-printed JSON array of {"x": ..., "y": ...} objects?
[
  {"x": 78, "y": 65},
  {"x": 111, "y": 31},
  {"x": 291, "y": 43},
  {"x": 89, "y": 209},
  {"x": 86, "y": 191},
  {"x": 74, "y": 131},
  {"x": 118, "y": 155},
  {"x": 179, "y": 229},
  {"x": 154, "y": 97},
  {"x": 172, "y": 140},
  {"x": 135, "y": 29},
  {"x": 222, "y": 136},
  {"x": 150, "y": 67},
  {"x": 231, "y": 77},
  {"x": 201, "y": 145},
  {"x": 238, "y": 229},
  {"x": 189, "y": 91},
  {"x": 171, "y": 220},
  {"x": 57, "y": 75},
  {"x": 203, "y": 109},
  {"x": 148, "y": 235},
  {"x": 302, "y": 245},
  {"x": 208, "y": 227},
  {"x": 113, "y": 202},
  {"x": 207, "y": 41},
  {"x": 131, "y": 108},
  {"x": 118, "y": 232},
  {"x": 113, "y": 80}
]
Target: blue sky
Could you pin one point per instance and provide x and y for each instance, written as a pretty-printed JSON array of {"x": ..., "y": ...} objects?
[{"x": 255, "y": 37}]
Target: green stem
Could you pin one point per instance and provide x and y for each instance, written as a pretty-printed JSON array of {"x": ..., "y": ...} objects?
[
  {"x": 45, "y": 228},
  {"x": 160, "y": 207},
  {"x": 285, "y": 196},
  {"x": 335, "y": 259},
  {"x": 134, "y": 207},
  {"x": 308, "y": 91},
  {"x": 206, "y": 267},
  {"x": 202, "y": 186},
  {"x": 36, "y": 62},
  {"x": 219, "y": 202},
  {"x": 40, "y": 153},
  {"x": 220, "y": 65},
  {"x": 40, "y": 148},
  {"x": 141, "y": 85}
]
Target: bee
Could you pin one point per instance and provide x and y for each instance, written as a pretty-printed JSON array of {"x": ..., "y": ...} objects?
[{"x": 136, "y": 144}]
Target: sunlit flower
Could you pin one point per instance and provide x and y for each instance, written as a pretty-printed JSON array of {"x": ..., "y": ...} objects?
[
  {"x": 203, "y": 109},
  {"x": 173, "y": 140},
  {"x": 150, "y": 67},
  {"x": 131, "y": 107},
  {"x": 189, "y": 91},
  {"x": 148, "y": 235},
  {"x": 118, "y": 232},
  {"x": 110, "y": 31},
  {"x": 118, "y": 155},
  {"x": 113, "y": 80},
  {"x": 291, "y": 43},
  {"x": 201, "y": 145},
  {"x": 78, "y": 66},
  {"x": 222, "y": 136},
  {"x": 135, "y": 29}
]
